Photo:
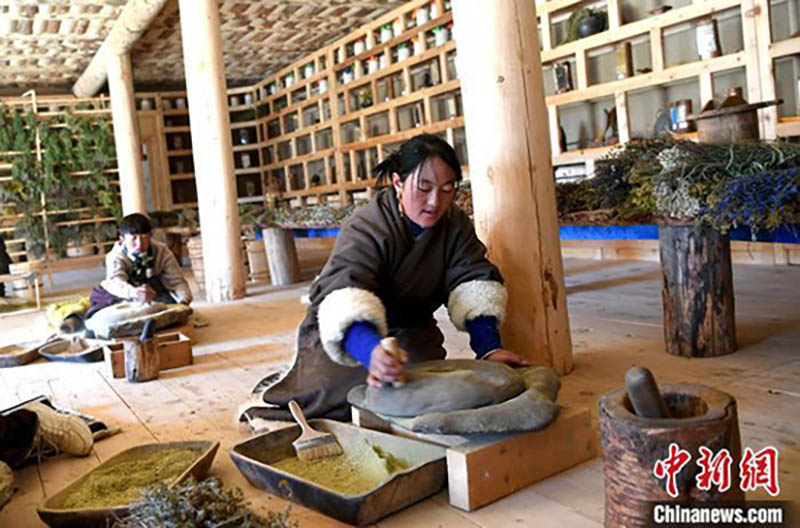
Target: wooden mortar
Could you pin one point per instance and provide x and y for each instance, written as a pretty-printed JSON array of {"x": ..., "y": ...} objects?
[{"x": 632, "y": 445}]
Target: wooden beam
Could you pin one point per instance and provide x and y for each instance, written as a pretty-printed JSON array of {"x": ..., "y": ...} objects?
[
  {"x": 768, "y": 117},
  {"x": 212, "y": 150},
  {"x": 511, "y": 173},
  {"x": 706, "y": 88},
  {"x": 623, "y": 121},
  {"x": 581, "y": 71},
  {"x": 656, "y": 49},
  {"x": 555, "y": 130},
  {"x": 132, "y": 22},
  {"x": 126, "y": 134}
]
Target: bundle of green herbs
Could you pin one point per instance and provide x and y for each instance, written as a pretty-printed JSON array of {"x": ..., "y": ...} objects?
[
  {"x": 195, "y": 504},
  {"x": 721, "y": 185}
]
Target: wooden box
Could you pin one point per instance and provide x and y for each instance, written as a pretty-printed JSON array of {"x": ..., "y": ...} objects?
[{"x": 174, "y": 349}]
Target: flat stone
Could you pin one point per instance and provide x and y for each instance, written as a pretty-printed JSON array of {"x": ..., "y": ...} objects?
[
  {"x": 442, "y": 386},
  {"x": 531, "y": 410},
  {"x": 128, "y": 318}
]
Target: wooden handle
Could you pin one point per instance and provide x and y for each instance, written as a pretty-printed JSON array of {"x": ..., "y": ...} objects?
[
  {"x": 391, "y": 345},
  {"x": 299, "y": 417}
]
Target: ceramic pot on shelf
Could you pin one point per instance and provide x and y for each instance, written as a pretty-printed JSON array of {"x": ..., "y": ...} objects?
[
  {"x": 422, "y": 16},
  {"x": 308, "y": 71},
  {"x": 386, "y": 34},
  {"x": 248, "y": 98},
  {"x": 403, "y": 53},
  {"x": 591, "y": 24},
  {"x": 323, "y": 85},
  {"x": 373, "y": 65},
  {"x": 358, "y": 47},
  {"x": 442, "y": 36}
]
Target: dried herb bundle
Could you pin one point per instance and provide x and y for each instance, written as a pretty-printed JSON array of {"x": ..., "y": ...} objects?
[
  {"x": 199, "y": 504},
  {"x": 722, "y": 185}
]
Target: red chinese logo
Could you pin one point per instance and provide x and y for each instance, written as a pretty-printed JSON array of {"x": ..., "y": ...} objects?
[
  {"x": 714, "y": 470},
  {"x": 671, "y": 466},
  {"x": 760, "y": 470}
]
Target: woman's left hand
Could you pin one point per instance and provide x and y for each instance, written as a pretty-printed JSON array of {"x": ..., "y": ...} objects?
[{"x": 502, "y": 355}]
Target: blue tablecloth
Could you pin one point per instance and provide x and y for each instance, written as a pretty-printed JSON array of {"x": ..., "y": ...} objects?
[{"x": 786, "y": 234}]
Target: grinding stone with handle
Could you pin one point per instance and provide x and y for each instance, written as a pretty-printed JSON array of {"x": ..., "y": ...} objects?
[{"x": 644, "y": 394}]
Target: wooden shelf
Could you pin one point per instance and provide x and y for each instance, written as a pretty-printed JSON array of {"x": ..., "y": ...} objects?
[
  {"x": 251, "y": 170},
  {"x": 182, "y": 176},
  {"x": 250, "y": 146},
  {"x": 338, "y": 156}
]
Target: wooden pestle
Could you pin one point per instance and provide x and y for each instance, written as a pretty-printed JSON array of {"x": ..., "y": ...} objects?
[
  {"x": 644, "y": 394},
  {"x": 391, "y": 345}
]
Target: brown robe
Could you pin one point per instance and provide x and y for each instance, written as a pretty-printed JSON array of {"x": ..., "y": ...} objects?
[{"x": 377, "y": 264}]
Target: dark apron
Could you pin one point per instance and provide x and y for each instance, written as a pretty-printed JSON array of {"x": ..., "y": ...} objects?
[{"x": 319, "y": 385}]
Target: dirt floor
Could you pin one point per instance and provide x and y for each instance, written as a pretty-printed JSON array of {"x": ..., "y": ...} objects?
[{"x": 615, "y": 316}]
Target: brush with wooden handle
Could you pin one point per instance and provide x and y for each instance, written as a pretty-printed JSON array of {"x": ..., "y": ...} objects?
[
  {"x": 312, "y": 444},
  {"x": 390, "y": 345}
]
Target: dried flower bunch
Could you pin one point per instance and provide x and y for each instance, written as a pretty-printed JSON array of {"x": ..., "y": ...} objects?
[
  {"x": 203, "y": 504},
  {"x": 723, "y": 185}
]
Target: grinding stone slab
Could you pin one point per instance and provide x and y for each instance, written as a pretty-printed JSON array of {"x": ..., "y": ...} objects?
[
  {"x": 532, "y": 410},
  {"x": 128, "y": 318},
  {"x": 442, "y": 386}
]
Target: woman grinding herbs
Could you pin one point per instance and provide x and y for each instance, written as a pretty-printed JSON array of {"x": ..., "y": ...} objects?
[{"x": 398, "y": 259}]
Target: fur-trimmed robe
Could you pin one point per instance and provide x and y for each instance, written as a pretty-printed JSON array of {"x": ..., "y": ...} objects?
[{"x": 378, "y": 272}]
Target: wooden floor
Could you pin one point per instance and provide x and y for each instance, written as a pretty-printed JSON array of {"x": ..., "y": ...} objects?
[{"x": 615, "y": 313}]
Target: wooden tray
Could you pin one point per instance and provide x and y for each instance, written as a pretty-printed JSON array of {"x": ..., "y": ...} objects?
[
  {"x": 426, "y": 475},
  {"x": 51, "y": 512},
  {"x": 59, "y": 351},
  {"x": 19, "y": 354}
]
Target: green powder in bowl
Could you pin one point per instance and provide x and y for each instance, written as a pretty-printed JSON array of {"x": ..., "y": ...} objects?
[
  {"x": 355, "y": 472},
  {"x": 122, "y": 483}
]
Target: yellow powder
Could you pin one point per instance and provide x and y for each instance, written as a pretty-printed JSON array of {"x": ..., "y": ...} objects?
[
  {"x": 357, "y": 471},
  {"x": 122, "y": 483}
]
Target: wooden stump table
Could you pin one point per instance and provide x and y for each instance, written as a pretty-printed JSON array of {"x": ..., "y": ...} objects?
[{"x": 697, "y": 291}]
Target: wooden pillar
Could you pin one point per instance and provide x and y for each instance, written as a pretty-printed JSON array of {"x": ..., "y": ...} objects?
[
  {"x": 511, "y": 172},
  {"x": 212, "y": 150},
  {"x": 284, "y": 268},
  {"x": 126, "y": 134}
]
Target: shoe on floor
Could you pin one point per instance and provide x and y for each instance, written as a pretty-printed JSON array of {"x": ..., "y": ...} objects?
[
  {"x": 66, "y": 433},
  {"x": 6, "y": 484}
]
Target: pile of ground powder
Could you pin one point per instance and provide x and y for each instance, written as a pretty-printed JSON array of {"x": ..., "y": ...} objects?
[
  {"x": 361, "y": 468},
  {"x": 122, "y": 483}
]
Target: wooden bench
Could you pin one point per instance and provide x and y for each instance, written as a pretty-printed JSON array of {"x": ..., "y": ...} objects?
[{"x": 32, "y": 278}]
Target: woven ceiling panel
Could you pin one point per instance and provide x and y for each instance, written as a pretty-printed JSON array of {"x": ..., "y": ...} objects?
[
  {"x": 258, "y": 37},
  {"x": 50, "y": 42},
  {"x": 47, "y": 43}
]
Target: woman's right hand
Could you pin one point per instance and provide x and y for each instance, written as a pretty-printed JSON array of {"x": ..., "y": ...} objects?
[{"x": 385, "y": 367}]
